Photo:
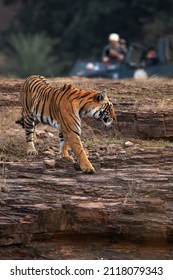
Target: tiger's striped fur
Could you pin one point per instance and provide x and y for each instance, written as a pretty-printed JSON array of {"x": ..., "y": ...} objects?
[{"x": 62, "y": 108}]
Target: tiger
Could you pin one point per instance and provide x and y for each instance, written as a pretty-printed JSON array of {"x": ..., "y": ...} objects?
[{"x": 62, "y": 108}]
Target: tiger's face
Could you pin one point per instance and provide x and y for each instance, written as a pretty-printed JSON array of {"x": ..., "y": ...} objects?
[
  {"x": 101, "y": 108},
  {"x": 107, "y": 114}
]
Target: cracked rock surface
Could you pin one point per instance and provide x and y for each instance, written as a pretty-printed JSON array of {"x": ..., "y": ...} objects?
[{"x": 49, "y": 209}]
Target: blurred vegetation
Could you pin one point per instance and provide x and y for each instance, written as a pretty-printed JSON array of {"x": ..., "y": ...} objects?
[
  {"x": 30, "y": 55},
  {"x": 81, "y": 28}
]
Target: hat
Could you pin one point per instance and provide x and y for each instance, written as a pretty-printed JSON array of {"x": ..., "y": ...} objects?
[{"x": 114, "y": 37}]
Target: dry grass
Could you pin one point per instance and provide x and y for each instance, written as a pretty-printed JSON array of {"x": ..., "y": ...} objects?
[
  {"x": 13, "y": 142},
  {"x": 151, "y": 94},
  {"x": 12, "y": 139}
]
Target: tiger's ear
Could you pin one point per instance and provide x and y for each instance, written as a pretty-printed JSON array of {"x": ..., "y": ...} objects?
[{"x": 100, "y": 96}]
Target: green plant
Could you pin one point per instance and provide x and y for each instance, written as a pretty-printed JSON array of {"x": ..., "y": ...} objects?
[{"x": 30, "y": 55}]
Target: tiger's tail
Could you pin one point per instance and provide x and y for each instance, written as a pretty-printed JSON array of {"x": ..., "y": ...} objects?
[{"x": 20, "y": 122}]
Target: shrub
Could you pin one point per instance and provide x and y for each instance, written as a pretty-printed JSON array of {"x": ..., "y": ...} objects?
[{"x": 30, "y": 55}]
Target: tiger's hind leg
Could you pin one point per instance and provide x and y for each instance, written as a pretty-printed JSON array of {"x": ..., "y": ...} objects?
[
  {"x": 29, "y": 125},
  {"x": 64, "y": 147}
]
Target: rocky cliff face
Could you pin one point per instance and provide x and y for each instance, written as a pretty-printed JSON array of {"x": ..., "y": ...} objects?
[{"x": 130, "y": 196}]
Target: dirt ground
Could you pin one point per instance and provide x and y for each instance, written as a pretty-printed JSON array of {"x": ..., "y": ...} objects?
[{"x": 49, "y": 209}]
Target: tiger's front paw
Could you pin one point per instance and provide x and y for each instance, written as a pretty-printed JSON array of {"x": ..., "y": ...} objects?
[
  {"x": 89, "y": 171},
  {"x": 32, "y": 152},
  {"x": 88, "y": 168}
]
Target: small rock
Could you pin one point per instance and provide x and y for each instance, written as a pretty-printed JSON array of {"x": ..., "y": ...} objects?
[
  {"x": 65, "y": 164},
  {"x": 49, "y": 163},
  {"x": 49, "y": 153},
  {"x": 129, "y": 144}
]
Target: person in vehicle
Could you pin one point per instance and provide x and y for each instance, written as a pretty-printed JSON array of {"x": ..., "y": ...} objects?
[
  {"x": 151, "y": 57},
  {"x": 113, "y": 51},
  {"x": 123, "y": 47}
]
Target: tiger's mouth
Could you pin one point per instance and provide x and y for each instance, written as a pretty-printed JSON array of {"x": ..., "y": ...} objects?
[{"x": 107, "y": 121}]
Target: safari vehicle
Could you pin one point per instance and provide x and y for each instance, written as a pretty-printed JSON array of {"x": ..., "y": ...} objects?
[{"x": 133, "y": 67}]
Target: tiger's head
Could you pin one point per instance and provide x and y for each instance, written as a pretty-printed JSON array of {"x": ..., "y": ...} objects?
[{"x": 100, "y": 108}]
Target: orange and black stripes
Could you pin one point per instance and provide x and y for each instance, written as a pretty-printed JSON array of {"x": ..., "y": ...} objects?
[{"x": 62, "y": 108}]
